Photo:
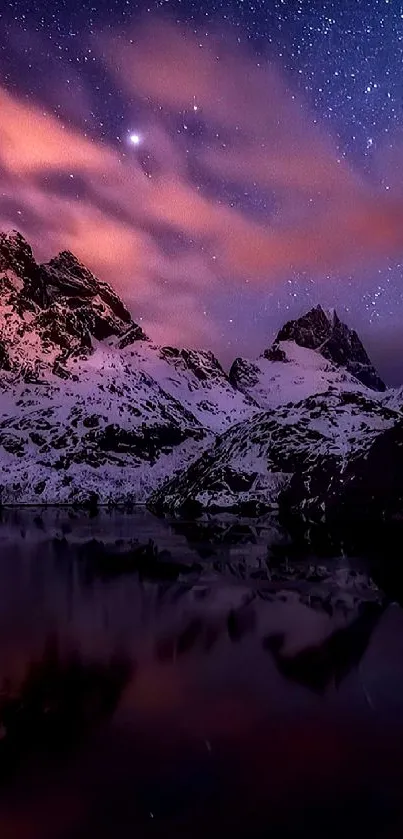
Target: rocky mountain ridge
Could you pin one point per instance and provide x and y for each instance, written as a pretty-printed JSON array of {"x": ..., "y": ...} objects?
[
  {"x": 52, "y": 313},
  {"x": 89, "y": 406},
  {"x": 91, "y": 410},
  {"x": 324, "y": 332},
  {"x": 303, "y": 450}
]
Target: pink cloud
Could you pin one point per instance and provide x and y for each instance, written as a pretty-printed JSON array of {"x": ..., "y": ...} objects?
[{"x": 326, "y": 217}]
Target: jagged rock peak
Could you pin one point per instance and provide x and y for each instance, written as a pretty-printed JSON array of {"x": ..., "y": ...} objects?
[
  {"x": 243, "y": 374},
  {"x": 16, "y": 254},
  {"x": 68, "y": 307},
  {"x": 324, "y": 332},
  {"x": 66, "y": 278},
  {"x": 202, "y": 363}
]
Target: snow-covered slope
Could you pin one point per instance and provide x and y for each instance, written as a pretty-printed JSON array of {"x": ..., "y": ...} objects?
[
  {"x": 324, "y": 332},
  {"x": 122, "y": 423},
  {"x": 88, "y": 405},
  {"x": 91, "y": 409},
  {"x": 313, "y": 354},
  {"x": 309, "y": 445},
  {"x": 393, "y": 398},
  {"x": 289, "y": 373}
]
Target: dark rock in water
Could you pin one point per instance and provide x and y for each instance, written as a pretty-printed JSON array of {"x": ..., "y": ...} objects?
[{"x": 335, "y": 341}]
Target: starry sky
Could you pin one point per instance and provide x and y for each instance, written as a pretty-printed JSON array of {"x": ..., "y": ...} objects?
[{"x": 224, "y": 164}]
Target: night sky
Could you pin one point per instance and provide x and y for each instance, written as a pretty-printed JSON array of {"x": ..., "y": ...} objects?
[{"x": 225, "y": 165}]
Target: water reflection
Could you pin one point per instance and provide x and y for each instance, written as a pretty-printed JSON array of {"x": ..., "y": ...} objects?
[
  {"x": 332, "y": 660},
  {"x": 177, "y": 679},
  {"x": 59, "y": 701}
]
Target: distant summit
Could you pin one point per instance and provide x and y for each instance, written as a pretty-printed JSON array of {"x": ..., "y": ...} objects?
[
  {"x": 310, "y": 355},
  {"x": 324, "y": 332}
]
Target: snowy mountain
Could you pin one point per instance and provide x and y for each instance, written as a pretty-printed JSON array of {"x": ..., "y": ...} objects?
[
  {"x": 50, "y": 313},
  {"x": 305, "y": 449},
  {"x": 288, "y": 373},
  {"x": 329, "y": 445},
  {"x": 91, "y": 410},
  {"x": 324, "y": 332},
  {"x": 88, "y": 405},
  {"x": 310, "y": 355}
]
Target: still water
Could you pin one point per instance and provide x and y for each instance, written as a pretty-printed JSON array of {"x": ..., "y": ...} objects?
[{"x": 181, "y": 679}]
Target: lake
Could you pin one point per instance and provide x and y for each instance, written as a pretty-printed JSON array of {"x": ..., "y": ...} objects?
[{"x": 167, "y": 679}]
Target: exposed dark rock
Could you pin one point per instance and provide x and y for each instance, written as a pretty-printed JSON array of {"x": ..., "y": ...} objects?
[
  {"x": 70, "y": 307},
  {"x": 39, "y": 487},
  {"x": 135, "y": 333},
  {"x": 275, "y": 353},
  {"x": 365, "y": 487},
  {"x": 16, "y": 255},
  {"x": 307, "y": 471},
  {"x": 203, "y": 364},
  {"x": 5, "y": 363},
  {"x": 243, "y": 373},
  {"x": 373, "y": 484},
  {"x": 146, "y": 441},
  {"x": 335, "y": 341}
]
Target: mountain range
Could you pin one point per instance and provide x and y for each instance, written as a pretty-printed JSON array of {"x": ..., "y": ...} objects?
[{"x": 92, "y": 411}]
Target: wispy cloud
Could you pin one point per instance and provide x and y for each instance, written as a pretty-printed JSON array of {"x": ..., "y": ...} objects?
[{"x": 210, "y": 110}]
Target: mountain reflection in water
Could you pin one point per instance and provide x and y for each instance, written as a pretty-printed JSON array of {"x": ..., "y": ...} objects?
[{"x": 189, "y": 678}]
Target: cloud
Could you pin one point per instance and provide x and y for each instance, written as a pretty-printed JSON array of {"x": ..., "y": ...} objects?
[
  {"x": 157, "y": 221},
  {"x": 346, "y": 236},
  {"x": 32, "y": 141},
  {"x": 273, "y": 135},
  {"x": 273, "y": 142}
]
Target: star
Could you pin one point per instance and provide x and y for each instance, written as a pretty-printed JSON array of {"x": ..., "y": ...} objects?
[{"x": 338, "y": 64}]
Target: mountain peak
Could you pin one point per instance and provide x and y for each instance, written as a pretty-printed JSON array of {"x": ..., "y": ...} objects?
[
  {"x": 327, "y": 334},
  {"x": 331, "y": 314},
  {"x": 16, "y": 254},
  {"x": 68, "y": 308},
  {"x": 67, "y": 280}
]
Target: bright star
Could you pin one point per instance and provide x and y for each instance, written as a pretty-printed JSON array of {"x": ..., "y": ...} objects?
[{"x": 135, "y": 139}]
